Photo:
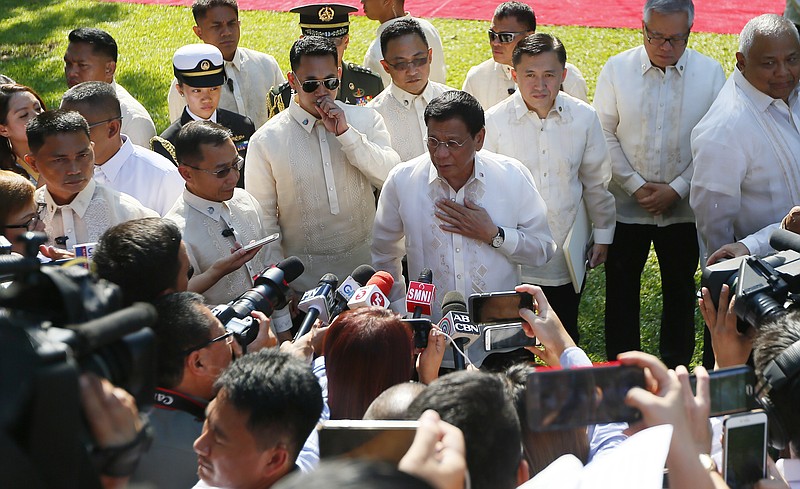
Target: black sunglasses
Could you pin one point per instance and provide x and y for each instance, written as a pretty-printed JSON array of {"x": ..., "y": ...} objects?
[
  {"x": 505, "y": 37},
  {"x": 309, "y": 86}
]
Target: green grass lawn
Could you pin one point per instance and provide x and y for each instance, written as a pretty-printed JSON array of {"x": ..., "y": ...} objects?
[{"x": 33, "y": 38}]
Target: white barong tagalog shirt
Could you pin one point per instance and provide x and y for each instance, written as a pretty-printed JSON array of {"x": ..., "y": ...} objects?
[{"x": 136, "y": 121}]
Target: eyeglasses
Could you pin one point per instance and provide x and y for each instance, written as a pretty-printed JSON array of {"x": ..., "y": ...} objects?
[
  {"x": 95, "y": 124},
  {"x": 236, "y": 165},
  {"x": 407, "y": 65},
  {"x": 227, "y": 338},
  {"x": 658, "y": 41},
  {"x": 505, "y": 37},
  {"x": 452, "y": 145},
  {"x": 309, "y": 86},
  {"x": 30, "y": 224}
]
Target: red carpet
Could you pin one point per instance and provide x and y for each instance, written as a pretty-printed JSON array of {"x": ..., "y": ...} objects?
[{"x": 720, "y": 16}]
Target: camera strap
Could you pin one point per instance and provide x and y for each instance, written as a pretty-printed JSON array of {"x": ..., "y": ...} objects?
[{"x": 175, "y": 401}]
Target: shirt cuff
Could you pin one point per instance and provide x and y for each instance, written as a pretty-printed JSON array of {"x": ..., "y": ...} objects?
[
  {"x": 681, "y": 186},
  {"x": 281, "y": 320},
  {"x": 633, "y": 183},
  {"x": 349, "y": 137},
  {"x": 574, "y": 357},
  {"x": 604, "y": 236},
  {"x": 510, "y": 240},
  {"x": 755, "y": 246}
]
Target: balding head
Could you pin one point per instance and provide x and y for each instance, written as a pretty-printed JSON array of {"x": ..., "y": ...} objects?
[{"x": 769, "y": 55}]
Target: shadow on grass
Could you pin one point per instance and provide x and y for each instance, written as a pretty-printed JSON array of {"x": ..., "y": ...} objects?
[{"x": 30, "y": 22}]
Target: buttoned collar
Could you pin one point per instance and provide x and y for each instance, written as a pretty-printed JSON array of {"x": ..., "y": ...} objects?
[
  {"x": 680, "y": 66},
  {"x": 504, "y": 69},
  {"x": 113, "y": 166},
  {"x": 407, "y": 99},
  {"x": 302, "y": 117},
  {"x": 478, "y": 171},
  {"x": 238, "y": 59},
  {"x": 521, "y": 108},
  {"x": 208, "y": 208},
  {"x": 382, "y": 27},
  {"x": 79, "y": 204},
  {"x": 196, "y": 117},
  {"x": 761, "y": 100}
]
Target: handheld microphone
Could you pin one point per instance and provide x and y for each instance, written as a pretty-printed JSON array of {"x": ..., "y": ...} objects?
[
  {"x": 455, "y": 322},
  {"x": 782, "y": 240},
  {"x": 374, "y": 293},
  {"x": 344, "y": 293},
  {"x": 316, "y": 303},
  {"x": 421, "y": 294}
]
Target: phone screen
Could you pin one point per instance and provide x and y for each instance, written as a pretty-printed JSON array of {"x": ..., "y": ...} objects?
[
  {"x": 745, "y": 455},
  {"x": 564, "y": 399},
  {"x": 498, "y": 307},
  {"x": 731, "y": 390},
  {"x": 505, "y": 337}
]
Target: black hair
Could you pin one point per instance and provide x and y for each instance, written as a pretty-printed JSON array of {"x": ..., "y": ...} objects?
[
  {"x": 312, "y": 46},
  {"x": 539, "y": 43},
  {"x": 201, "y": 7},
  {"x": 181, "y": 326},
  {"x": 353, "y": 474},
  {"x": 279, "y": 395},
  {"x": 478, "y": 404},
  {"x": 520, "y": 11},
  {"x": 141, "y": 256},
  {"x": 457, "y": 104},
  {"x": 100, "y": 40},
  {"x": 52, "y": 122},
  {"x": 95, "y": 97},
  {"x": 400, "y": 28},
  {"x": 191, "y": 137}
]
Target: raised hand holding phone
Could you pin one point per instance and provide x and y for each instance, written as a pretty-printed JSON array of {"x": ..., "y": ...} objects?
[{"x": 332, "y": 115}]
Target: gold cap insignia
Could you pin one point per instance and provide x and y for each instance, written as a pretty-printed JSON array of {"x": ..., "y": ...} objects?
[
  {"x": 205, "y": 64},
  {"x": 326, "y": 14}
]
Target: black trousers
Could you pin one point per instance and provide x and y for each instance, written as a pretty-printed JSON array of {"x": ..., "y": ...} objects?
[
  {"x": 678, "y": 254},
  {"x": 565, "y": 302}
]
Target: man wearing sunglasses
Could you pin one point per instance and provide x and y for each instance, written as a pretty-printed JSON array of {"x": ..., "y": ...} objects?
[
  {"x": 490, "y": 82},
  {"x": 120, "y": 164},
  {"x": 217, "y": 219},
  {"x": 314, "y": 166},
  {"x": 407, "y": 58},
  {"x": 648, "y": 99},
  {"x": 331, "y": 21}
]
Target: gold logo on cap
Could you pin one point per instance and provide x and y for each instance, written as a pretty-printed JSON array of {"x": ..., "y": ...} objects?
[
  {"x": 326, "y": 14},
  {"x": 205, "y": 64}
]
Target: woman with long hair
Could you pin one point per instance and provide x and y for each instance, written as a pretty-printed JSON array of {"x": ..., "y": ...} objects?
[{"x": 18, "y": 105}]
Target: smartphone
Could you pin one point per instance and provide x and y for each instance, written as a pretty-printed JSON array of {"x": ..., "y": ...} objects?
[
  {"x": 420, "y": 327},
  {"x": 732, "y": 390},
  {"x": 498, "y": 307},
  {"x": 261, "y": 242},
  {"x": 563, "y": 399},
  {"x": 506, "y": 336},
  {"x": 382, "y": 440},
  {"x": 744, "y": 444}
]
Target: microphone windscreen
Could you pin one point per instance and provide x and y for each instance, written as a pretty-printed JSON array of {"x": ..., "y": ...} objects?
[
  {"x": 453, "y": 301},
  {"x": 362, "y": 274},
  {"x": 782, "y": 240},
  {"x": 383, "y": 280},
  {"x": 426, "y": 276},
  {"x": 330, "y": 279},
  {"x": 292, "y": 268}
]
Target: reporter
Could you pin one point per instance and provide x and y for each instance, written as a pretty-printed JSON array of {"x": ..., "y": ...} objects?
[
  {"x": 730, "y": 347},
  {"x": 18, "y": 104}
]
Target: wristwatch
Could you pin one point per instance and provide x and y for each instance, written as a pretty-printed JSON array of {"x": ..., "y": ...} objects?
[{"x": 498, "y": 239}]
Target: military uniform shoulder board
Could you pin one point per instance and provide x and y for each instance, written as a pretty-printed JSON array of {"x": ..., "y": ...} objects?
[
  {"x": 167, "y": 146},
  {"x": 278, "y": 98},
  {"x": 360, "y": 69}
]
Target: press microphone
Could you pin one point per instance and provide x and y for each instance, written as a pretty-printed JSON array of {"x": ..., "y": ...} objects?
[
  {"x": 455, "y": 322},
  {"x": 374, "y": 292},
  {"x": 782, "y": 240},
  {"x": 316, "y": 303},
  {"x": 421, "y": 294},
  {"x": 344, "y": 293}
]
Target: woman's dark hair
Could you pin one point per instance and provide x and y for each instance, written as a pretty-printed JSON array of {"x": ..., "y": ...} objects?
[
  {"x": 366, "y": 352},
  {"x": 7, "y": 92}
]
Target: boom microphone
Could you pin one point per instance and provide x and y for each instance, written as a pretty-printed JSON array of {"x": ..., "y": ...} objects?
[
  {"x": 316, "y": 303},
  {"x": 344, "y": 293},
  {"x": 421, "y": 294},
  {"x": 782, "y": 240},
  {"x": 374, "y": 293},
  {"x": 455, "y": 322}
]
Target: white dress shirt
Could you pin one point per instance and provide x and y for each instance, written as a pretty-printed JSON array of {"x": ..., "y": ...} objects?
[
  {"x": 568, "y": 158},
  {"x": 93, "y": 210},
  {"x": 202, "y": 222},
  {"x": 136, "y": 121},
  {"x": 404, "y": 115},
  {"x": 251, "y": 74},
  {"x": 316, "y": 188},
  {"x": 143, "y": 174},
  {"x": 490, "y": 82},
  {"x": 648, "y": 116},
  {"x": 747, "y": 165},
  {"x": 406, "y": 224},
  {"x": 374, "y": 55}
]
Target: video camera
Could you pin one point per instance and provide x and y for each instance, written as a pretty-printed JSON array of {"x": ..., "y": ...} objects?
[
  {"x": 764, "y": 287},
  {"x": 55, "y": 323}
]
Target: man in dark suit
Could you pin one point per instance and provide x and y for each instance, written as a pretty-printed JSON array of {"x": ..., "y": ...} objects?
[{"x": 200, "y": 74}]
